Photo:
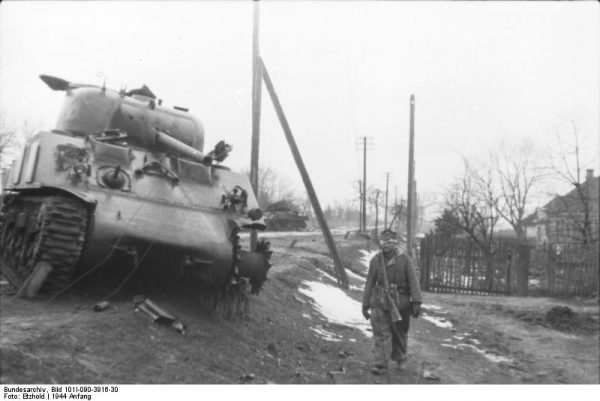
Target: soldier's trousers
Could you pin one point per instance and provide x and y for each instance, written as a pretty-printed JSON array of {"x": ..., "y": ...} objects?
[{"x": 391, "y": 339}]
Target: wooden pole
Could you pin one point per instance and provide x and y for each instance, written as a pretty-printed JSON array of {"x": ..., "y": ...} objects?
[
  {"x": 364, "y": 200},
  {"x": 387, "y": 183},
  {"x": 360, "y": 226},
  {"x": 339, "y": 268},
  {"x": 411, "y": 176},
  {"x": 256, "y": 109}
]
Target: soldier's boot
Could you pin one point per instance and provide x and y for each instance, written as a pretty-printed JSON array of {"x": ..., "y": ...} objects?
[
  {"x": 379, "y": 370},
  {"x": 401, "y": 362}
]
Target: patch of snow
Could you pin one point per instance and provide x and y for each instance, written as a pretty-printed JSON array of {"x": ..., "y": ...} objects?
[
  {"x": 438, "y": 321},
  {"x": 328, "y": 276},
  {"x": 367, "y": 256},
  {"x": 489, "y": 356},
  {"x": 350, "y": 273},
  {"x": 352, "y": 340},
  {"x": 299, "y": 300},
  {"x": 449, "y": 346},
  {"x": 326, "y": 335},
  {"x": 432, "y": 307},
  {"x": 336, "y": 306},
  {"x": 457, "y": 337},
  {"x": 306, "y": 315}
]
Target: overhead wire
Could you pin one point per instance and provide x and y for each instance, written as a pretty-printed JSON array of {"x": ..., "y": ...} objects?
[{"x": 104, "y": 260}]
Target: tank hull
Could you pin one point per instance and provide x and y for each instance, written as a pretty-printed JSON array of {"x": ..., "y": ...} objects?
[{"x": 169, "y": 215}]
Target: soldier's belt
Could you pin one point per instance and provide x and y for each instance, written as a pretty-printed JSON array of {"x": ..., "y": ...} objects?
[{"x": 400, "y": 290}]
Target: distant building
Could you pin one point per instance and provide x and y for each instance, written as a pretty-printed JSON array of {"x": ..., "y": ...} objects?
[{"x": 562, "y": 220}]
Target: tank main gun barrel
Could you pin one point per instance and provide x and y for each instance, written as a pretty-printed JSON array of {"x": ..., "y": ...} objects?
[{"x": 181, "y": 149}]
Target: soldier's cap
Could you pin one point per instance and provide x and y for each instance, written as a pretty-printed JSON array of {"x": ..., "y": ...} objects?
[{"x": 388, "y": 235}]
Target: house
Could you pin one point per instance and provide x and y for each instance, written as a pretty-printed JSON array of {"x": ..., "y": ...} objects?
[{"x": 570, "y": 218}]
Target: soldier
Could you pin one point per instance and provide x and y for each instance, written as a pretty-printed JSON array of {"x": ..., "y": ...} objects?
[{"x": 404, "y": 289}]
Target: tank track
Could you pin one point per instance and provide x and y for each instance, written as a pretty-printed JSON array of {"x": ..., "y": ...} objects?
[{"x": 54, "y": 233}]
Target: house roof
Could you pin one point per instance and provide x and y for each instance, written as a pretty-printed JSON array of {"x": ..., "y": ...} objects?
[
  {"x": 571, "y": 202},
  {"x": 530, "y": 220}
]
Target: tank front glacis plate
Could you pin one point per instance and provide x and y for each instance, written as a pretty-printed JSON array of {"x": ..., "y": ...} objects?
[
  {"x": 125, "y": 223},
  {"x": 173, "y": 205}
]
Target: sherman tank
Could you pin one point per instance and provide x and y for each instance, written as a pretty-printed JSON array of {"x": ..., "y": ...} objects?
[
  {"x": 284, "y": 216},
  {"x": 124, "y": 175}
]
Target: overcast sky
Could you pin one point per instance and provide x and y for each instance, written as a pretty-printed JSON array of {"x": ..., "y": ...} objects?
[{"x": 481, "y": 73}]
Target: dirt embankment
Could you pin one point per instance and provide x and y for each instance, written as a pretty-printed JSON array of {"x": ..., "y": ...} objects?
[{"x": 290, "y": 337}]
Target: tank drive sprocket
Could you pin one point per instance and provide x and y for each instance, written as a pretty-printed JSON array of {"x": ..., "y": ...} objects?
[{"x": 43, "y": 228}]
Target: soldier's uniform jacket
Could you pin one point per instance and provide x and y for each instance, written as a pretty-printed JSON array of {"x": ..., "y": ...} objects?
[{"x": 404, "y": 285}]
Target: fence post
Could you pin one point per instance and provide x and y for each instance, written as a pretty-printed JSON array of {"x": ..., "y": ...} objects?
[
  {"x": 511, "y": 269},
  {"x": 551, "y": 269},
  {"x": 424, "y": 262},
  {"x": 522, "y": 272}
]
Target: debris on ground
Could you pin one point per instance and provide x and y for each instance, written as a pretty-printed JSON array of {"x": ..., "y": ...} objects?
[
  {"x": 304, "y": 347},
  {"x": 429, "y": 375},
  {"x": 561, "y": 317},
  {"x": 36, "y": 279},
  {"x": 334, "y": 373},
  {"x": 344, "y": 354},
  {"x": 272, "y": 348},
  {"x": 101, "y": 306},
  {"x": 158, "y": 315},
  {"x": 247, "y": 378}
]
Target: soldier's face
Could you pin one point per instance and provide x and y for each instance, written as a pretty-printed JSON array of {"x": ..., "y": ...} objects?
[{"x": 389, "y": 244}]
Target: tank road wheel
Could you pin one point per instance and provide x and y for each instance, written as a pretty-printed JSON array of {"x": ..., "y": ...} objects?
[{"x": 54, "y": 232}]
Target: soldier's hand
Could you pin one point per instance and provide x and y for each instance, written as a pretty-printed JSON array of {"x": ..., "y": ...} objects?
[
  {"x": 365, "y": 312},
  {"x": 416, "y": 309}
]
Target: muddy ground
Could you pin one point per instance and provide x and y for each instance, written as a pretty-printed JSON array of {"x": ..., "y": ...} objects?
[{"x": 460, "y": 338}]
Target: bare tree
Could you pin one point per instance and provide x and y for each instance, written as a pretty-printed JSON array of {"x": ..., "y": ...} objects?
[
  {"x": 375, "y": 199},
  {"x": 517, "y": 175},
  {"x": 272, "y": 188},
  {"x": 13, "y": 137},
  {"x": 473, "y": 200},
  {"x": 8, "y": 137},
  {"x": 399, "y": 216},
  {"x": 579, "y": 206}
]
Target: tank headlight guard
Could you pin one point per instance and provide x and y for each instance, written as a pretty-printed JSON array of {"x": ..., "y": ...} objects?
[
  {"x": 255, "y": 214},
  {"x": 80, "y": 169}
]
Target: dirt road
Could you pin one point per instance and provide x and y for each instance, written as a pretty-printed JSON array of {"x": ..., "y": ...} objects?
[{"x": 301, "y": 329}]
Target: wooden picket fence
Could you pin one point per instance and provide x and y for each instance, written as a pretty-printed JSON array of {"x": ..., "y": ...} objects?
[
  {"x": 564, "y": 270},
  {"x": 458, "y": 265}
]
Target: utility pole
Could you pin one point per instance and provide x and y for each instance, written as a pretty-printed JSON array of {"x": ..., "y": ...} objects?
[
  {"x": 415, "y": 208},
  {"x": 411, "y": 177},
  {"x": 364, "y": 198},
  {"x": 256, "y": 103},
  {"x": 387, "y": 182},
  {"x": 377, "y": 193},
  {"x": 360, "y": 205},
  {"x": 396, "y": 206},
  {"x": 337, "y": 261}
]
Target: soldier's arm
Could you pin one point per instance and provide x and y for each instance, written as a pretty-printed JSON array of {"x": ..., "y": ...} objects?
[
  {"x": 413, "y": 281},
  {"x": 369, "y": 284}
]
